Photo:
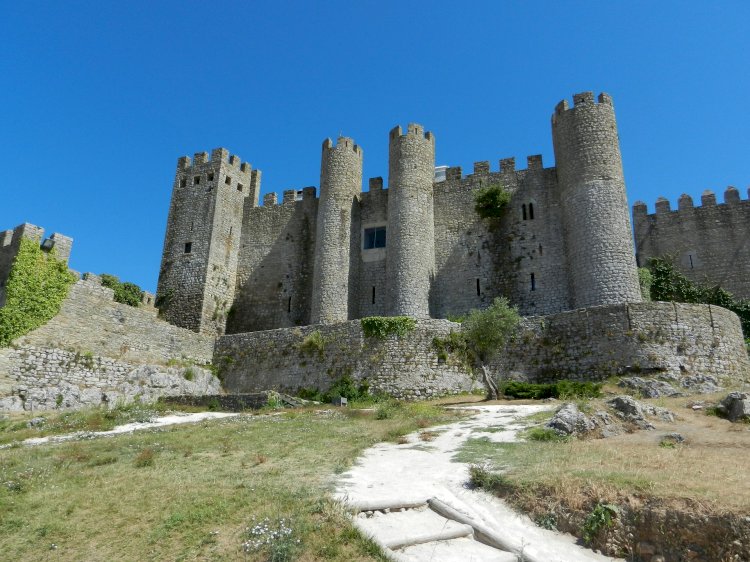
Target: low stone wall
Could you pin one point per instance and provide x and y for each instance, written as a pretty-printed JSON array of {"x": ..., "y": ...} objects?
[
  {"x": 673, "y": 339},
  {"x": 678, "y": 340},
  {"x": 404, "y": 367},
  {"x": 47, "y": 378},
  {"x": 90, "y": 321}
]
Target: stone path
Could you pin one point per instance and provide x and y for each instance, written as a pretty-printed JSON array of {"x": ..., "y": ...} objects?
[{"x": 412, "y": 499}]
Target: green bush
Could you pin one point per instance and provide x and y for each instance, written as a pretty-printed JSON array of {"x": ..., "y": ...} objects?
[
  {"x": 344, "y": 386},
  {"x": 36, "y": 288},
  {"x": 381, "y": 327},
  {"x": 645, "y": 280},
  {"x": 490, "y": 202},
  {"x": 560, "y": 389},
  {"x": 125, "y": 293},
  {"x": 601, "y": 518},
  {"x": 545, "y": 434}
]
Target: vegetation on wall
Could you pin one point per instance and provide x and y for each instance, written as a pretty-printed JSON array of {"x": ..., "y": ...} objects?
[
  {"x": 490, "y": 201},
  {"x": 563, "y": 389},
  {"x": 125, "y": 293},
  {"x": 381, "y": 327},
  {"x": 37, "y": 286},
  {"x": 645, "y": 280},
  {"x": 668, "y": 284},
  {"x": 344, "y": 386}
]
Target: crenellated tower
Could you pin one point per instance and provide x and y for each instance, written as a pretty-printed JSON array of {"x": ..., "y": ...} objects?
[
  {"x": 340, "y": 183},
  {"x": 199, "y": 262},
  {"x": 596, "y": 222},
  {"x": 410, "y": 249}
]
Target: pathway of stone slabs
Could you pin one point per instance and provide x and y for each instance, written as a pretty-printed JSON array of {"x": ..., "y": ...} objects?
[{"x": 413, "y": 500}]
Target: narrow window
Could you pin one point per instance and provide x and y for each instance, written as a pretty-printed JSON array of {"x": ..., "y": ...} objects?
[
  {"x": 192, "y": 223},
  {"x": 523, "y": 209},
  {"x": 533, "y": 283},
  {"x": 691, "y": 260},
  {"x": 183, "y": 183},
  {"x": 479, "y": 290},
  {"x": 188, "y": 247},
  {"x": 240, "y": 187},
  {"x": 540, "y": 250},
  {"x": 197, "y": 180},
  {"x": 289, "y": 304},
  {"x": 373, "y": 295},
  {"x": 228, "y": 180},
  {"x": 230, "y": 230},
  {"x": 531, "y": 211},
  {"x": 210, "y": 176}
]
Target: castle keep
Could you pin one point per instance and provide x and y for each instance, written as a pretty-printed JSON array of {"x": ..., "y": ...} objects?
[{"x": 417, "y": 248}]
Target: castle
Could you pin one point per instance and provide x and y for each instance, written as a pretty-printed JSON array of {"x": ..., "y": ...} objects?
[{"x": 417, "y": 249}]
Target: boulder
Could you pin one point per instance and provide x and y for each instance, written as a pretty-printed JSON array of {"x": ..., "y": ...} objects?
[
  {"x": 630, "y": 409},
  {"x": 649, "y": 388},
  {"x": 569, "y": 420},
  {"x": 735, "y": 406}
]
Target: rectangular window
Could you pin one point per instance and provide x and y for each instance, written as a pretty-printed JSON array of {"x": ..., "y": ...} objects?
[
  {"x": 373, "y": 295},
  {"x": 188, "y": 247},
  {"x": 197, "y": 180},
  {"x": 210, "y": 176},
  {"x": 183, "y": 183},
  {"x": 374, "y": 238},
  {"x": 240, "y": 187},
  {"x": 228, "y": 180},
  {"x": 533, "y": 282}
]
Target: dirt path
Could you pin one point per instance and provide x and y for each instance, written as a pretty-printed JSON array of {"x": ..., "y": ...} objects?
[{"x": 412, "y": 499}]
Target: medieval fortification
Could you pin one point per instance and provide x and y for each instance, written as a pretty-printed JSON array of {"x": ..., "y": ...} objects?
[{"x": 242, "y": 285}]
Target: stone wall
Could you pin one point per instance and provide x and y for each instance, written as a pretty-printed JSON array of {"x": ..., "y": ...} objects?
[
  {"x": 708, "y": 243},
  {"x": 91, "y": 322},
  {"x": 405, "y": 367},
  {"x": 48, "y": 378},
  {"x": 672, "y": 339}
]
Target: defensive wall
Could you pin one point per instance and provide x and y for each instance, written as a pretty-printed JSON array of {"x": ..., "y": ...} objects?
[
  {"x": 671, "y": 339},
  {"x": 97, "y": 351},
  {"x": 709, "y": 243}
]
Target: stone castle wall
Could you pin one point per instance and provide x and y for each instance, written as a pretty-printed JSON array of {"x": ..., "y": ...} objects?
[
  {"x": 677, "y": 340},
  {"x": 406, "y": 367},
  {"x": 673, "y": 339},
  {"x": 709, "y": 243}
]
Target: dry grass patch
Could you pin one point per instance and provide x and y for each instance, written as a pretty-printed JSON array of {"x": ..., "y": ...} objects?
[{"x": 205, "y": 488}]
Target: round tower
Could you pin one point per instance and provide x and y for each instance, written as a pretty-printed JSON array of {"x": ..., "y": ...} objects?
[
  {"x": 340, "y": 182},
  {"x": 598, "y": 237},
  {"x": 410, "y": 246}
]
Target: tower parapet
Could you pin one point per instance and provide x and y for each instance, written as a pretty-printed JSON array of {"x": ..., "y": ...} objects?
[
  {"x": 410, "y": 247},
  {"x": 340, "y": 183},
  {"x": 199, "y": 262},
  {"x": 599, "y": 243}
]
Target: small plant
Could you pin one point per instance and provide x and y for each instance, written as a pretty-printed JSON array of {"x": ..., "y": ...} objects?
[
  {"x": 545, "y": 434},
  {"x": 601, "y": 518},
  {"x": 313, "y": 343},
  {"x": 274, "y": 401},
  {"x": 274, "y": 538},
  {"x": 145, "y": 458},
  {"x": 189, "y": 374},
  {"x": 214, "y": 404},
  {"x": 386, "y": 410},
  {"x": 480, "y": 476},
  {"x": 645, "y": 280},
  {"x": 490, "y": 202},
  {"x": 381, "y": 327},
  {"x": 547, "y": 521},
  {"x": 58, "y": 400}
]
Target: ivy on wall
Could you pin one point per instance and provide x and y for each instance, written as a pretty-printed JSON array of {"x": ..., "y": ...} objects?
[
  {"x": 668, "y": 284},
  {"x": 37, "y": 286}
]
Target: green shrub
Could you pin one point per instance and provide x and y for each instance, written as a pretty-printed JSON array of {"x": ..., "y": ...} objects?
[
  {"x": 314, "y": 342},
  {"x": 344, "y": 386},
  {"x": 481, "y": 477},
  {"x": 486, "y": 331},
  {"x": 381, "y": 327},
  {"x": 125, "y": 293},
  {"x": 601, "y": 518},
  {"x": 645, "y": 280},
  {"x": 560, "y": 389},
  {"x": 189, "y": 374},
  {"x": 545, "y": 434},
  {"x": 490, "y": 202},
  {"x": 36, "y": 288}
]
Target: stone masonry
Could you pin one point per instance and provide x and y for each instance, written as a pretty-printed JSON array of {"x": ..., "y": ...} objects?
[
  {"x": 709, "y": 243},
  {"x": 231, "y": 266}
]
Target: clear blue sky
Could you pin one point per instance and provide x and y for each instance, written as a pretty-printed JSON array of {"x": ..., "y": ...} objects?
[{"x": 99, "y": 99}]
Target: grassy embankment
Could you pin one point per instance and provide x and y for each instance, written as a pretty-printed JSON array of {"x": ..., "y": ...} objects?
[{"x": 249, "y": 488}]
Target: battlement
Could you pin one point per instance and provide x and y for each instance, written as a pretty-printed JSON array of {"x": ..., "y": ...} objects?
[
  {"x": 506, "y": 166},
  {"x": 218, "y": 155},
  {"x": 412, "y": 130},
  {"x": 685, "y": 202},
  {"x": 581, "y": 100},
  {"x": 375, "y": 184},
  {"x": 342, "y": 143}
]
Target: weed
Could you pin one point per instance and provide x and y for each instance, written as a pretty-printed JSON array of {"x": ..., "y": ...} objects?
[
  {"x": 381, "y": 327},
  {"x": 601, "y": 518},
  {"x": 547, "y": 521},
  {"x": 145, "y": 458},
  {"x": 189, "y": 374},
  {"x": 314, "y": 343},
  {"x": 545, "y": 434}
]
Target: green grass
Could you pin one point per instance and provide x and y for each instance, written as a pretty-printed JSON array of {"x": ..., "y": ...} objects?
[{"x": 194, "y": 492}]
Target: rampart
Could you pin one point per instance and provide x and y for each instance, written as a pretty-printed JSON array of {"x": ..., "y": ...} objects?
[
  {"x": 709, "y": 243},
  {"x": 676, "y": 340}
]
